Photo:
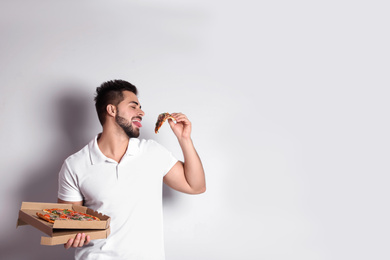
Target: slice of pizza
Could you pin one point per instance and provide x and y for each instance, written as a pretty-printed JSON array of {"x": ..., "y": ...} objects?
[
  {"x": 82, "y": 216},
  {"x": 49, "y": 217},
  {"x": 161, "y": 119}
]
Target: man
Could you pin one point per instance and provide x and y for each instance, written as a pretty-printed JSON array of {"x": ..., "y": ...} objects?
[{"x": 121, "y": 176}]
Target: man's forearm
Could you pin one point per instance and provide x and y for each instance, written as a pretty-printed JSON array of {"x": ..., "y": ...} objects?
[{"x": 193, "y": 168}]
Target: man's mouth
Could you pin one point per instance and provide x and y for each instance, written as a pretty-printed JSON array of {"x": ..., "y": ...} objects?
[{"x": 137, "y": 122}]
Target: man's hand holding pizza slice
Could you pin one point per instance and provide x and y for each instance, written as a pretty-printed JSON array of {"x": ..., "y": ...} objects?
[
  {"x": 182, "y": 127},
  {"x": 178, "y": 122}
]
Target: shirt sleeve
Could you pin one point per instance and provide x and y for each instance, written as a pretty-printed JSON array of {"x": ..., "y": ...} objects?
[
  {"x": 68, "y": 188},
  {"x": 171, "y": 162},
  {"x": 167, "y": 159}
]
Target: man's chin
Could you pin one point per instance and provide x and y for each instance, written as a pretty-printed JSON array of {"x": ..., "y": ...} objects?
[{"x": 133, "y": 134}]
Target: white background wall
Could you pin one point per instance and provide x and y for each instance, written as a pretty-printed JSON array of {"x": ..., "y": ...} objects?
[{"x": 289, "y": 102}]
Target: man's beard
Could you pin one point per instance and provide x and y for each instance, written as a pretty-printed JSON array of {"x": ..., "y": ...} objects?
[{"x": 126, "y": 126}]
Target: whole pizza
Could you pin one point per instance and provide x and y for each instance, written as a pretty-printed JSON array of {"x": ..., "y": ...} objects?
[{"x": 50, "y": 215}]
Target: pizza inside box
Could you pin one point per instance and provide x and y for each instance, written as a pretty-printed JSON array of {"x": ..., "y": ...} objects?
[{"x": 61, "y": 231}]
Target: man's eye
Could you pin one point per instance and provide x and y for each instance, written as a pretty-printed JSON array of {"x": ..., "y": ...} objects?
[{"x": 133, "y": 107}]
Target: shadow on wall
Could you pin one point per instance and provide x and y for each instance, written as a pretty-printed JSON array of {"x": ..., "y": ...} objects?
[{"x": 73, "y": 133}]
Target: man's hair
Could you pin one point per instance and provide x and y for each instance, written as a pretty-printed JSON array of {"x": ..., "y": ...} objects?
[{"x": 111, "y": 92}]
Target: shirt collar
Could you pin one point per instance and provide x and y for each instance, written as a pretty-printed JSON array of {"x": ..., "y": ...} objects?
[
  {"x": 133, "y": 146},
  {"x": 97, "y": 156}
]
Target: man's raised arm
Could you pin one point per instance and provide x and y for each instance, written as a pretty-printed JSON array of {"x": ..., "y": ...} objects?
[{"x": 187, "y": 176}]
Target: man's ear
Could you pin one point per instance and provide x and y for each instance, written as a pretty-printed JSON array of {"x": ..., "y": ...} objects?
[{"x": 111, "y": 110}]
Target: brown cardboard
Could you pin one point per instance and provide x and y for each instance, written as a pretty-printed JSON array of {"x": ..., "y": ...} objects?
[
  {"x": 28, "y": 215},
  {"x": 62, "y": 236},
  {"x": 62, "y": 230}
]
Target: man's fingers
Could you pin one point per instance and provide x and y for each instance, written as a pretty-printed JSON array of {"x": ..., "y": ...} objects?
[
  {"x": 171, "y": 123},
  {"x": 69, "y": 244},
  {"x": 79, "y": 241},
  {"x": 179, "y": 117},
  {"x": 87, "y": 240},
  {"x": 76, "y": 240}
]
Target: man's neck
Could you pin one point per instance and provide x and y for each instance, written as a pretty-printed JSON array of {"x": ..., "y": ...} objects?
[{"x": 113, "y": 144}]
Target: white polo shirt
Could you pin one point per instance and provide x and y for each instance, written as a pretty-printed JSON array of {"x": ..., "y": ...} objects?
[{"x": 130, "y": 192}]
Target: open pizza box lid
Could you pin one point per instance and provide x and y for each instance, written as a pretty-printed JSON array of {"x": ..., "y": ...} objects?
[{"x": 62, "y": 230}]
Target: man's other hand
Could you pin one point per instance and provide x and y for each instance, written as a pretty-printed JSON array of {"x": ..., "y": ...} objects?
[{"x": 80, "y": 240}]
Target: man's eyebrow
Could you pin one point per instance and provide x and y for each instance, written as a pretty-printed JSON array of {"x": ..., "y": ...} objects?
[{"x": 134, "y": 102}]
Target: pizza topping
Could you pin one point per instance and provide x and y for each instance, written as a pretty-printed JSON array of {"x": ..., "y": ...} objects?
[{"x": 64, "y": 214}]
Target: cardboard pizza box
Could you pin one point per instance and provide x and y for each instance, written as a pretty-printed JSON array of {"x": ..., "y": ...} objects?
[
  {"x": 62, "y": 230},
  {"x": 61, "y": 237}
]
